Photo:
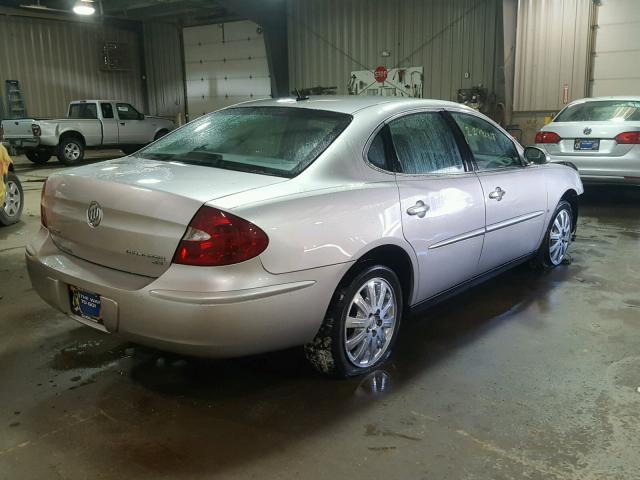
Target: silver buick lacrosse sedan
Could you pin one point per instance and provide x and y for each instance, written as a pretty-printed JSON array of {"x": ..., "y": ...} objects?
[{"x": 318, "y": 222}]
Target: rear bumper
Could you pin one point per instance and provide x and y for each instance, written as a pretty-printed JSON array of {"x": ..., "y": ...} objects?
[
  {"x": 22, "y": 143},
  {"x": 244, "y": 309}
]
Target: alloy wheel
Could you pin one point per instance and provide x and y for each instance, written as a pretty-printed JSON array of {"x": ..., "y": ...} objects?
[
  {"x": 370, "y": 322},
  {"x": 13, "y": 199},
  {"x": 560, "y": 237},
  {"x": 72, "y": 151}
]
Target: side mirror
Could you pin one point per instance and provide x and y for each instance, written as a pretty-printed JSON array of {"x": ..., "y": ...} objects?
[
  {"x": 140, "y": 116},
  {"x": 536, "y": 155}
]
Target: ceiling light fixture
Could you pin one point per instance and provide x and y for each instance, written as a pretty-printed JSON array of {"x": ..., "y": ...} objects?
[{"x": 84, "y": 7}]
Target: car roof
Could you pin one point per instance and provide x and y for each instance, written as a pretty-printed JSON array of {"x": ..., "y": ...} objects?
[
  {"x": 632, "y": 98},
  {"x": 347, "y": 103},
  {"x": 96, "y": 101}
]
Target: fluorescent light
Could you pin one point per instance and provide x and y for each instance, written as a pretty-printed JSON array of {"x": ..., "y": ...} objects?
[{"x": 84, "y": 7}]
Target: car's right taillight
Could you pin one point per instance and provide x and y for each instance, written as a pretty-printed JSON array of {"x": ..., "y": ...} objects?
[
  {"x": 628, "y": 138},
  {"x": 43, "y": 216},
  {"x": 547, "y": 137},
  {"x": 36, "y": 130},
  {"x": 216, "y": 238}
]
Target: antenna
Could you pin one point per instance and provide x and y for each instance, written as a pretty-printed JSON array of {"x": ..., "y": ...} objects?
[{"x": 299, "y": 96}]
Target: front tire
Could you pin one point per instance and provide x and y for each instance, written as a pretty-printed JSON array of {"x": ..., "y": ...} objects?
[
  {"x": 557, "y": 239},
  {"x": 39, "y": 157},
  {"x": 361, "y": 326},
  {"x": 70, "y": 151},
  {"x": 13, "y": 201}
]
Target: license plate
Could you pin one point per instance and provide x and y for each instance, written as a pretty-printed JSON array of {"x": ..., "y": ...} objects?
[
  {"x": 85, "y": 304},
  {"x": 587, "y": 144}
]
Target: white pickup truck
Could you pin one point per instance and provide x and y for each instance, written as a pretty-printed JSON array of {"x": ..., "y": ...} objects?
[{"x": 89, "y": 124}]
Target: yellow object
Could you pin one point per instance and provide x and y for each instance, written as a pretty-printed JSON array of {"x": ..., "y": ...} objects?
[
  {"x": 5, "y": 161},
  {"x": 547, "y": 119}
]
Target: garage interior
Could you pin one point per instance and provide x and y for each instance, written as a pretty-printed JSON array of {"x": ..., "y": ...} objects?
[{"x": 529, "y": 375}]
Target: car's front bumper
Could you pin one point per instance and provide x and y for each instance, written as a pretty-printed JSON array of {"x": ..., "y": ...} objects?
[{"x": 240, "y": 310}]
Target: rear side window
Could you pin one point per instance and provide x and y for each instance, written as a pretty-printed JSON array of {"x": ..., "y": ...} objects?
[
  {"x": 83, "y": 111},
  {"x": 107, "y": 110},
  {"x": 376, "y": 155},
  {"x": 425, "y": 144},
  {"x": 279, "y": 141},
  {"x": 601, "y": 111}
]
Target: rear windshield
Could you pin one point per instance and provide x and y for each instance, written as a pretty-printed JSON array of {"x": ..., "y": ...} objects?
[
  {"x": 601, "y": 111},
  {"x": 280, "y": 141},
  {"x": 85, "y": 111}
]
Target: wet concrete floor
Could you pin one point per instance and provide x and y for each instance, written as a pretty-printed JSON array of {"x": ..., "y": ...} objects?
[{"x": 531, "y": 375}]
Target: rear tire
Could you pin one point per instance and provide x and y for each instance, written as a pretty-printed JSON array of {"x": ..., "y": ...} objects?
[
  {"x": 361, "y": 326},
  {"x": 70, "y": 150},
  {"x": 39, "y": 157},
  {"x": 13, "y": 201},
  {"x": 557, "y": 238},
  {"x": 160, "y": 134}
]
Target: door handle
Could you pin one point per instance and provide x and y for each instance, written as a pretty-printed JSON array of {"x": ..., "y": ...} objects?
[
  {"x": 497, "y": 194},
  {"x": 122, "y": 123},
  {"x": 419, "y": 209}
]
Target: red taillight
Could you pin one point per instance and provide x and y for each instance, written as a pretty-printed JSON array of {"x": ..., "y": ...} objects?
[
  {"x": 215, "y": 238},
  {"x": 36, "y": 130},
  {"x": 43, "y": 216},
  {"x": 628, "y": 138},
  {"x": 547, "y": 137}
]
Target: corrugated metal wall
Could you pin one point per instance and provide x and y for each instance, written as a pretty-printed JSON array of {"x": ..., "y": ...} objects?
[
  {"x": 59, "y": 61},
  {"x": 164, "y": 69},
  {"x": 449, "y": 38},
  {"x": 552, "y": 50}
]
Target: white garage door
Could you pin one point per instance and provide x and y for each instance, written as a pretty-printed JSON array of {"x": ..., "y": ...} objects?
[
  {"x": 616, "y": 63},
  {"x": 225, "y": 64}
]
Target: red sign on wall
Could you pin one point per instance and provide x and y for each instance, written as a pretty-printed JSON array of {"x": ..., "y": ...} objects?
[{"x": 380, "y": 74}]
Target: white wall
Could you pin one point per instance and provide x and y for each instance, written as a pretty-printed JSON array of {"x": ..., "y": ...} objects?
[
  {"x": 224, "y": 64},
  {"x": 616, "y": 60}
]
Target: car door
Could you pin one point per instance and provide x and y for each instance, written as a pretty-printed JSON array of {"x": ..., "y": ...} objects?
[
  {"x": 440, "y": 199},
  {"x": 109, "y": 124},
  {"x": 132, "y": 126},
  {"x": 515, "y": 193}
]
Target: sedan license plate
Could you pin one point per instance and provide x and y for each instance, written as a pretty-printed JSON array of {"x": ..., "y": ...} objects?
[
  {"x": 590, "y": 144},
  {"x": 85, "y": 304}
]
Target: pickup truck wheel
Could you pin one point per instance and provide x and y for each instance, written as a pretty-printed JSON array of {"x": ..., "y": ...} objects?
[
  {"x": 38, "y": 156},
  {"x": 130, "y": 149},
  {"x": 13, "y": 201},
  {"x": 70, "y": 151}
]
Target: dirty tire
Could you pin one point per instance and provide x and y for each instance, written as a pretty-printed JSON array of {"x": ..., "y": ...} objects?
[
  {"x": 327, "y": 352},
  {"x": 543, "y": 259},
  {"x": 10, "y": 213},
  {"x": 70, "y": 151},
  {"x": 39, "y": 157}
]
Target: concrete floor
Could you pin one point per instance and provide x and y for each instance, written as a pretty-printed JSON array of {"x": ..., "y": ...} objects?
[{"x": 528, "y": 376}]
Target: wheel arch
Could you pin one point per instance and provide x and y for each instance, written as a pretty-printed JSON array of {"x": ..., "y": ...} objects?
[
  {"x": 72, "y": 134},
  {"x": 397, "y": 259},
  {"x": 571, "y": 196}
]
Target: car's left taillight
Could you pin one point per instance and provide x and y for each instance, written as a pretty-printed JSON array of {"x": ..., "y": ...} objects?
[
  {"x": 43, "y": 216},
  {"x": 628, "y": 138},
  {"x": 36, "y": 130},
  {"x": 216, "y": 238}
]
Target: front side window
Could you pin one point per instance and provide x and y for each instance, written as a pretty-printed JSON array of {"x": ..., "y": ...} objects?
[
  {"x": 601, "y": 111},
  {"x": 279, "y": 141},
  {"x": 425, "y": 145},
  {"x": 127, "y": 112},
  {"x": 491, "y": 148},
  {"x": 83, "y": 111}
]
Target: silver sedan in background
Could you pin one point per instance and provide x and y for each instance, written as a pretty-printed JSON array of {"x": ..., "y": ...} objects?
[
  {"x": 316, "y": 222},
  {"x": 600, "y": 136}
]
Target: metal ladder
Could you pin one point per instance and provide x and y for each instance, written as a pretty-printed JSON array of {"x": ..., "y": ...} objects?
[{"x": 15, "y": 102}]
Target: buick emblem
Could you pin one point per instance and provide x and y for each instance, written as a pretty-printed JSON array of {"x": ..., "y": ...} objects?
[
  {"x": 587, "y": 131},
  {"x": 94, "y": 214}
]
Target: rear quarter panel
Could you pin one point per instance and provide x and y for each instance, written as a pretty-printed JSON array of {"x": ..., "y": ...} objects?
[
  {"x": 327, "y": 227},
  {"x": 91, "y": 131}
]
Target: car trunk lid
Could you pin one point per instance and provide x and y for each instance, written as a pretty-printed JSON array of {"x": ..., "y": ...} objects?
[
  {"x": 605, "y": 132},
  {"x": 144, "y": 209}
]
